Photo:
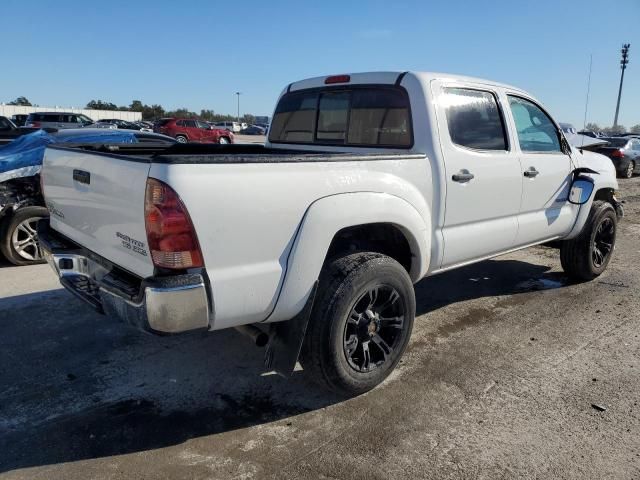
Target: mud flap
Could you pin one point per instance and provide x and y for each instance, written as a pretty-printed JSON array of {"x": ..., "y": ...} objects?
[{"x": 285, "y": 340}]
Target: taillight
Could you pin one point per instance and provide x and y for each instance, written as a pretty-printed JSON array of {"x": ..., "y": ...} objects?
[
  {"x": 170, "y": 233},
  {"x": 33, "y": 124},
  {"x": 617, "y": 153}
]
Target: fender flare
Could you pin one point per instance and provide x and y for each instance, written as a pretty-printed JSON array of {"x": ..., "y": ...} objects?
[
  {"x": 583, "y": 213},
  {"x": 326, "y": 217}
]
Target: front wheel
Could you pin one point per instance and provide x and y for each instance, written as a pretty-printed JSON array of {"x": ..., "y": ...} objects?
[
  {"x": 360, "y": 324},
  {"x": 18, "y": 238},
  {"x": 587, "y": 256},
  {"x": 181, "y": 139},
  {"x": 223, "y": 140}
]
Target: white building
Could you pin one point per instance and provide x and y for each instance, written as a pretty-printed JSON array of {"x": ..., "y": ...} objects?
[{"x": 9, "y": 110}]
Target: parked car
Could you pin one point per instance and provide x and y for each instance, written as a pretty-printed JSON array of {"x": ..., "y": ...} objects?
[
  {"x": 192, "y": 130},
  {"x": 21, "y": 202},
  {"x": 568, "y": 128},
  {"x": 19, "y": 119},
  {"x": 9, "y": 131},
  {"x": 58, "y": 120},
  {"x": 314, "y": 240},
  {"x": 253, "y": 130},
  {"x": 233, "y": 127},
  {"x": 103, "y": 124},
  {"x": 122, "y": 124},
  {"x": 624, "y": 152}
]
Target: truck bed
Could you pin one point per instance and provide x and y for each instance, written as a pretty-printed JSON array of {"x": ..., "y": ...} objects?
[{"x": 230, "y": 153}]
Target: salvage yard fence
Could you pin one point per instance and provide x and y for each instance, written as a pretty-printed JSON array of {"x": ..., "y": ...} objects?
[{"x": 9, "y": 110}]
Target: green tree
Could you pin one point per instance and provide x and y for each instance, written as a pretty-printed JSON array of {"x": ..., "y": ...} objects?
[
  {"x": 100, "y": 105},
  {"x": 614, "y": 130},
  {"x": 594, "y": 127},
  {"x": 248, "y": 119},
  {"x": 152, "y": 112},
  {"x": 182, "y": 113},
  {"x": 136, "y": 106},
  {"x": 22, "y": 101},
  {"x": 635, "y": 129},
  {"x": 207, "y": 115}
]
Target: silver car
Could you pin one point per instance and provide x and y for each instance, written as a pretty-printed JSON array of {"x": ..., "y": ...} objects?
[{"x": 57, "y": 120}]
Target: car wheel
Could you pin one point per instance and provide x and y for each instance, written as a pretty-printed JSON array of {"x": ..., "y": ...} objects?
[
  {"x": 360, "y": 324},
  {"x": 181, "y": 139},
  {"x": 223, "y": 140},
  {"x": 587, "y": 256},
  {"x": 18, "y": 238},
  {"x": 630, "y": 169}
]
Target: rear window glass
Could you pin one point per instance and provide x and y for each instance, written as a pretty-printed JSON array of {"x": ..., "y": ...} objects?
[
  {"x": 163, "y": 121},
  {"x": 44, "y": 117},
  {"x": 357, "y": 117}
]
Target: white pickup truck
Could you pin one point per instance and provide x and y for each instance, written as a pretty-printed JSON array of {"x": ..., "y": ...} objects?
[{"x": 367, "y": 183}]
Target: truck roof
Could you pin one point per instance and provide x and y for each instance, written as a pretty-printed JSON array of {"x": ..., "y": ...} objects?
[{"x": 392, "y": 77}]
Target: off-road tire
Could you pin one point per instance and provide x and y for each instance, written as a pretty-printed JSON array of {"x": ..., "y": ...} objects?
[
  {"x": 343, "y": 282},
  {"x": 8, "y": 227},
  {"x": 577, "y": 255}
]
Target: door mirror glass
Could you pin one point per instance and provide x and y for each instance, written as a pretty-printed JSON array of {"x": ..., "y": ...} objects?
[{"x": 581, "y": 190}]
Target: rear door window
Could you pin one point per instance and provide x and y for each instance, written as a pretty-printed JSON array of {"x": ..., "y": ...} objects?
[
  {"x": 361, "y": 116},
  {"x": 474, "y": 119}
]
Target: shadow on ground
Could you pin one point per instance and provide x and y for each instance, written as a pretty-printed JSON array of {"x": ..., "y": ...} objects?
[{"x": 75, "y": 385}]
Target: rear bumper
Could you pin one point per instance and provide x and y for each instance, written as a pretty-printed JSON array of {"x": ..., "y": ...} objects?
[{"x": 170, "y": 304}]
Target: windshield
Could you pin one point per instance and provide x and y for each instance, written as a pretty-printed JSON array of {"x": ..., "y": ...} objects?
[{"x": 85, "y": 119}]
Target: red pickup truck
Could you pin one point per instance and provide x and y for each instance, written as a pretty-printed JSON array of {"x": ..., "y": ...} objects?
[{"x": 186, "y": 130}]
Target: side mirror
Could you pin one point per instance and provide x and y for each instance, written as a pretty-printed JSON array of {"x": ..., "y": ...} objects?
[{"x": 581, "y": 190}]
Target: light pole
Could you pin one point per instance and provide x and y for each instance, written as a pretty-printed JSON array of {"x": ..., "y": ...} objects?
[
  {"x": 623, "y": 67},
  {"x": 238, "y": 94}
]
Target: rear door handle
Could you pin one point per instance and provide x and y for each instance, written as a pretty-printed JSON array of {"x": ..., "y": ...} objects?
[
  {"x": 463, "y": 176},
  {"x": 531, "y": 173}
]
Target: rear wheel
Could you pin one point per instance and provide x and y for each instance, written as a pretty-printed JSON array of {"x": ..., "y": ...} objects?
[
  {"x": 587, "y": 256},
  {"x": 18, "y": 238},
  {"x": 181, "y": 139},
  {"x": 223, "y": 141},
  {"x": 360, "y": 324}
]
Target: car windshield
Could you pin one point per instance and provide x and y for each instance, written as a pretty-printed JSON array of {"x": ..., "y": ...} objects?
[{"x": 85, "y": 119}]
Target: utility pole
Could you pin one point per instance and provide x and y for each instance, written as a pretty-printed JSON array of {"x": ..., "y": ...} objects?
[
  {"x": 240, "y": 93},
  {"x": 623, "y": 67}
]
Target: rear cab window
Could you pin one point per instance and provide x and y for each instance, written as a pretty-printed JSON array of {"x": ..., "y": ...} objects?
[{"x": 363, "y": 116}]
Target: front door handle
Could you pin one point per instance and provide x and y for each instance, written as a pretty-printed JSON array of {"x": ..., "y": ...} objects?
[
  {"x": 531, "y": 173},
  {"x": 462, "y": 176}
]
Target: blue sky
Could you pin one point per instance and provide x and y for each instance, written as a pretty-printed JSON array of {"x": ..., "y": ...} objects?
[{"x": 196, "y": 54}]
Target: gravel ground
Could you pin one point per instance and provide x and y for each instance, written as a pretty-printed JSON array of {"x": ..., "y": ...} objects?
[{"x": 506, "y": 362}]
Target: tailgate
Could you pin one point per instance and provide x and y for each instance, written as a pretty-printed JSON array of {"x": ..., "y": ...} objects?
[{"x": 97, "y": 200}]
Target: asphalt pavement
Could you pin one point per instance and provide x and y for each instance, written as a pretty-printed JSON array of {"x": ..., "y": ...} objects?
[{"x": 512, "y": 372}]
